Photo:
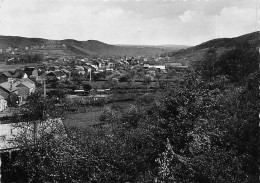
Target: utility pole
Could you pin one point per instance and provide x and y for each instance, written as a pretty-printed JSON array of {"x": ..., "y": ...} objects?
[
  {"x": 44, "y": 87},
  {"x": 258, "y": 140},
  {"x": 257, "y": 27},
  {"x": 90, "y": 75}
]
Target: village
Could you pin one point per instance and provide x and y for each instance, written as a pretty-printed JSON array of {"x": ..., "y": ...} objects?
[
  {"x": 77, "y": 77},
  {"x": 86, "y": 86}
]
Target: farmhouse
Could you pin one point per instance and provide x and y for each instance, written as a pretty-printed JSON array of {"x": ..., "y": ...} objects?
[
  {"x": 25, "y": 87},
  {"x": 10, "y": 133},
  {"x": 7, "y": 88}
]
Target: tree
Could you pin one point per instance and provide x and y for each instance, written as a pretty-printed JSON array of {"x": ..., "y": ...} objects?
[
  {"x": 13, "y": 100},
  {"x": 238, "y": 63},
  {"x": 125, "y": 78},
  {"x": 87, "y": 87},
  {"x": 147, "y": 80},
  {"x": 208, "y": 64},
  {"x": 171, "y": 73},
  {"x": 58, "y": 94},
  {"x": 40, "y": 108},
  {"x": 202, "y": 132},
  {"x": 158, "y": 76}
]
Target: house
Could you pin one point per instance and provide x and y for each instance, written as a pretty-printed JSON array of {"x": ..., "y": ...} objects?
[
  {"x": 9, "y": 131},
  {"x": 50, "y": 76},
  {"x": 52, "y": 68},
  {"x": 54, "y": 75},
  {"x": 89, "y": 68},
  {"x": 111, "y": 65},
  {"x": 20, "y": 74},
  {"x": 68, "y": 73},
  {"x": 80, "y": 69},
  {"x": 3, "y": 103},
  {"x": 173, "y": 64},
  {"x": 25, "y": 87},
  {"x": 7, "y": 88},
  {"x": 146, "y": 66},
  {"x": 159, "y": 67},
  {"x": 60, "y": 75},
  {"x": 29, "y": 71}
]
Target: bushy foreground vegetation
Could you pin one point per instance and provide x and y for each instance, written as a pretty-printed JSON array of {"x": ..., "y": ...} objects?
[{"x": 204, "y": 131}]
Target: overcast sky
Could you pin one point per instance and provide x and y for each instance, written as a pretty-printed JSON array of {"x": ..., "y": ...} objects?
[{"x": 151, "y": 22}]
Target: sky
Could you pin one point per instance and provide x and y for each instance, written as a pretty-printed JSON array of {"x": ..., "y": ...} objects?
[{"x": 136, "y": 22}]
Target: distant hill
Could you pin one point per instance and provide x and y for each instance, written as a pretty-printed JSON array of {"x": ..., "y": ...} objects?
[
  {"x": 70, "y": 47},
  {"x": 191, "y": 55},
  {"x": 165, "y": 47}
]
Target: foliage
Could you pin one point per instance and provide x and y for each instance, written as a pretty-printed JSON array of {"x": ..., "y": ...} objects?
[
  {"x": 13, "y": 100},
  {"x": 87, "y": 87},
  {"x": 203, "y": 132},
  {"x": 208, "y": 64},
  {"x": 57, "y": 94},
  {"x": 40, "y": 108},
  {"x": 147, "y": 80},
  {"x": 171, "y": 73},
  {"x": 125, "y": 78}
]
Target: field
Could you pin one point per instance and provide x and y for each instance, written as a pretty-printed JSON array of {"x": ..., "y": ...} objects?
[
  {"x": 84, "y": 120},
  {"x": 4, "y": 67}
]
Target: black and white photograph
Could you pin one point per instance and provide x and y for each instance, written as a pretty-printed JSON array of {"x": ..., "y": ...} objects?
[{"x": 129, "y": 91}]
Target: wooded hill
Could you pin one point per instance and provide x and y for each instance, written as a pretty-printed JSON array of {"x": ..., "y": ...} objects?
[
  {"x": 71, "y": 47},
  {"x": 192, "y": 55}
]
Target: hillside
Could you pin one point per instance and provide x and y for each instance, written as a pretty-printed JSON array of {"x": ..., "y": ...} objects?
[
  {"x": 70, "y": 47},
  {"x": 195, "y": 54}
]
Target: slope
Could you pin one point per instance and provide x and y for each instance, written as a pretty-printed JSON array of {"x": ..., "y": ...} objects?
[
  {"x": 70, "y": 47},
  {"x": 195, "y": 54}
]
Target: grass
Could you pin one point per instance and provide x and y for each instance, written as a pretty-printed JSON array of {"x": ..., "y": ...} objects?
[
  {"x": 85, "y": 120},
  {"x": 82, "y": 120}
]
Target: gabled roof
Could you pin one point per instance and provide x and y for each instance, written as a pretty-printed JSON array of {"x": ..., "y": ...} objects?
[
  {"x": 29, "y": 70},
  {"x": 27, "y": 80},
  {"x": 65, "y": 71},
  {"x": 24, "y": 83},
  {"x": 56, "y": 73},
  {"x": 7, "y": 74},
  {"x": 19, "y": 74},
  {"x": 9, "y": 87},
  {"x": 59, "y": 73},
  {"x": 21, "y": 85},
  {"x": 79, "y": 68},
  {"x": 91, "y": 66},
  {"x": 50, "y": 74}
]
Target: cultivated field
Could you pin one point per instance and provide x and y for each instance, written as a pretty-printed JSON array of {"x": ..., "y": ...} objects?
[{"x": 4, "y": 67}]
